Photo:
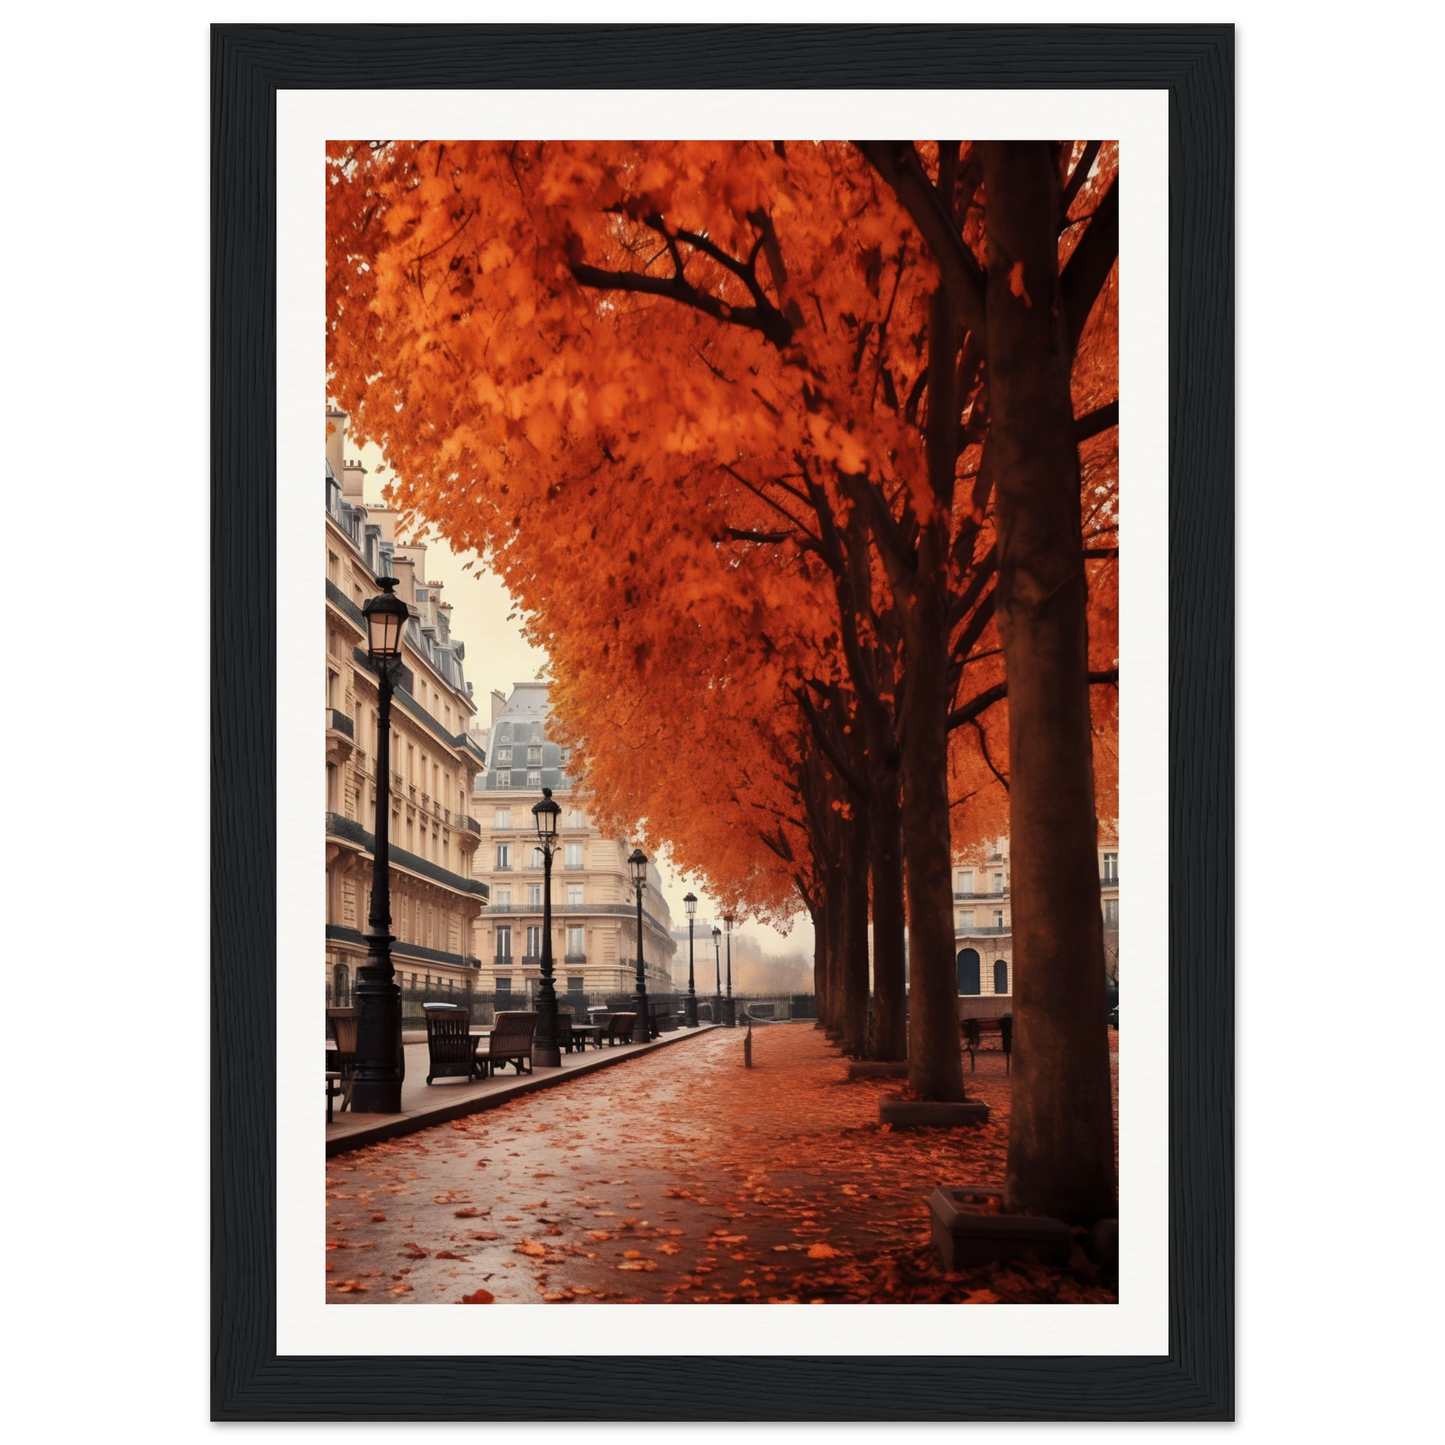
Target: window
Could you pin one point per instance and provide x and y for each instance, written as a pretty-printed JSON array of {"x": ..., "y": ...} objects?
[
  {"x": 998, "y": 882},
  {"x": 504, "y": 780},
  {"x": 1000, "y": 975},
  {"x": 504, "y": 942},
  {"x": 534, "y": 778},
  {"x": 965, "y": 883},
  {"x": 576, "y": 942},
  {"x": 534, "y": 895},
  {"x": 576, "y": 986},
  {"x": 504, "y": 757},
  {"x": 566, "y": 756},
  {"x": 534, "y": 941},
  {"x": 534, "y": 757},
  {"x": 504, "y": 855},
  {"x": 965, "y": 920},
  {"x": 333, "y": 566},
  {"x": 537, "y": 732},
  {"x": 504, "y": 992},
  {"x": 1111, "y": 912},
  {"x": 998, "y": 918},
  {"x": 573, "y": 855},
  {"x": 536, "y": 857},
  {"x": 502, "y": 818},
  {"x": 1111, "y": 867},
  {"x": 968, "y": 971},
  {"x": 504, "y": 898},
  {"x": 575, "y": 818},
  {"x": 574, "y": 895}
]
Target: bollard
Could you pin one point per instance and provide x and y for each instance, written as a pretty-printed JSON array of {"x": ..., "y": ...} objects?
[{"x": 748, "y": 1046}]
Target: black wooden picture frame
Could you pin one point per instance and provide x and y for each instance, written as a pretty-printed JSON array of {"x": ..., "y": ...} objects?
[{"x": 1194, "y": 1381}]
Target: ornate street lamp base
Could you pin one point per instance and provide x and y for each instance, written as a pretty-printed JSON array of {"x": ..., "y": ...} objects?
[
  {"x": 690, "y": 1012},
  {"x": 376, "y": 1098},
  {"x": 730, "y": 1015},
  {"x": 543, "y": 1058}
]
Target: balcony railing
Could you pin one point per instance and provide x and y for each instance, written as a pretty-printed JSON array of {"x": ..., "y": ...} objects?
[
  {"x": 575, "y": 958},
  {"x": 339, "y": 826},
  {"x": 997, "y": 893},
  {"x": 1109, "y": 882},
  {"x": 338, "y": 721},
  {"x": 470, "y": 824}
]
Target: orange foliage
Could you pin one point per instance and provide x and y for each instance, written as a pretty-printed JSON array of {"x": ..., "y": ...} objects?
[{"x": 631, "y": 376}]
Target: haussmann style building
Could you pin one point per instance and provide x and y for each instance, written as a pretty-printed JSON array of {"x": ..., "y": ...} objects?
[
  {"x": 594, "y": 913},
  {"x": 435, "y": 899},
  {"x": 983, "y": 926}
]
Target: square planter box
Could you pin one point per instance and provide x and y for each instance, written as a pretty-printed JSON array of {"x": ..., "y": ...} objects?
[
  {"x": 926, "y": 1113},
  {"x": 966, "y": 1235}
]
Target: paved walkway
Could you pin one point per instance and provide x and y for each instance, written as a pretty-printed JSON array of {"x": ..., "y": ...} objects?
[
  {"x": 680, "y": 1176},
  {"x": 424, "y": 1105}
]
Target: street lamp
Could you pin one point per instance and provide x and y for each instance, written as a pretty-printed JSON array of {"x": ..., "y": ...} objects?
[
  {"x": 637, "y": 867},
  {"x": 717, "y": 967},
  {"x": 544, "y": 1047},
  {"x": 376, "y": 1087},
  {"x": 730, "y": 1017},
  {"x": 690, "y": 1008}
]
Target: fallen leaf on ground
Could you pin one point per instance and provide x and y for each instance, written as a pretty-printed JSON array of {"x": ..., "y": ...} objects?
[
  {"x": 413, "y": 1251},
  {"x": 530, "y": 1246},
  {"x": 481, "y": 1297},
  {"x": 821, "y": 1251}
]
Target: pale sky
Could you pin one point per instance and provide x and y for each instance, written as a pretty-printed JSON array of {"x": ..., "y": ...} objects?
[{"x": 498, "y": 656}]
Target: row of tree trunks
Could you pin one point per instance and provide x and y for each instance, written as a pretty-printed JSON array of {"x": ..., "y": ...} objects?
[
  {"x": 853, "y": 963},
  {"x": 889, "y": 1038}
]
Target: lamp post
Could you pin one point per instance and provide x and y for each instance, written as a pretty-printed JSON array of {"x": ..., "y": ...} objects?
[
  {"x": 689, "y": 1016},
  {"x": 376, "y": 1087},
  {"x": 717, "y": 967},
  {"x": 544, "y": 1047},
  {"x": 729, "y": 1017},
  {"x": 637, "y": 866}
]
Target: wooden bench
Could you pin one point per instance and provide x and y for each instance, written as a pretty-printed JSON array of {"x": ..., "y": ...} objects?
[
  {"x": 973, "y": 1031},
  {"x": 619, "y": 1030},
  {"x": 343, "y": 1058},
  {"x": 451, "y": 1049},
  {"x": 510, "y": 1042}
]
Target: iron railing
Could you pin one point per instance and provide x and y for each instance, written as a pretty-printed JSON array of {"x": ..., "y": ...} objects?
[
  {"x": 340, "y": 722},
  {"x": 339, "y": 826}
]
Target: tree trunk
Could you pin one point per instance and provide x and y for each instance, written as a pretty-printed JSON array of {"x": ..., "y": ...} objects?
[
  {"x": 820, "y": 916},
  {"x": 833, "y": 905},
  {"x": 854, "y": 991},
  {"x": 934, "y": 1057},
  {"x": 889, "y": 1038},
  {"x": 1061, "y": 1148}
]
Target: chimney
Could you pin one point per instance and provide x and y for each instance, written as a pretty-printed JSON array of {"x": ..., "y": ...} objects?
[
  {"x": 352, "y": 485},
  {"x": 499, "y": 703},
  {"x": 335, "y": 438}
]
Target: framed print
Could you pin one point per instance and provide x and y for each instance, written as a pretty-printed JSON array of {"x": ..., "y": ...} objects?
[{"x": 772, "y": 580}]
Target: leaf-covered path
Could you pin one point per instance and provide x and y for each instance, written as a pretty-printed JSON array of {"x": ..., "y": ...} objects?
[{"x": 679, "y": 1175}]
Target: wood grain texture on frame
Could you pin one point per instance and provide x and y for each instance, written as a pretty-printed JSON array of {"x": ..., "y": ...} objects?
[{"x": 1195, "y": 64}]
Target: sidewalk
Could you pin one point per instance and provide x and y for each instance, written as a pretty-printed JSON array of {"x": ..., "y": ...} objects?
[{"x": 426, "y": 1104}]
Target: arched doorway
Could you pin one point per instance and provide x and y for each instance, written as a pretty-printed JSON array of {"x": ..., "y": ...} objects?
[
  {"x": 968, "y": 972},
  {"x": 1000, "y": 975},
  {"x": 341, "y": 985}
]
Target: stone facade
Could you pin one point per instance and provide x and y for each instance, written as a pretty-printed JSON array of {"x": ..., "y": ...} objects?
[
  {"x": 983, "y": 919},
  {"x": 435, "y": 900},
  {"x": 594, "y": 914}
]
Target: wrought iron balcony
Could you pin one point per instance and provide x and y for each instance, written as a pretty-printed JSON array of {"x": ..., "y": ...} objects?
[
  {"x": 338, "y": 721},
  {"x": 469, "y": 824},
  {"x": 1109, "y": 882},
  {"x": 575, "y": 958},
  {"x": 984, "y": 897}
]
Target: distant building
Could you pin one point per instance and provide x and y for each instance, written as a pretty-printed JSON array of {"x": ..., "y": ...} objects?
[
  {"x": 434, "y": 899},
  {"x": 983, "y": 919},
  {"x": 594, "y": 928}
]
